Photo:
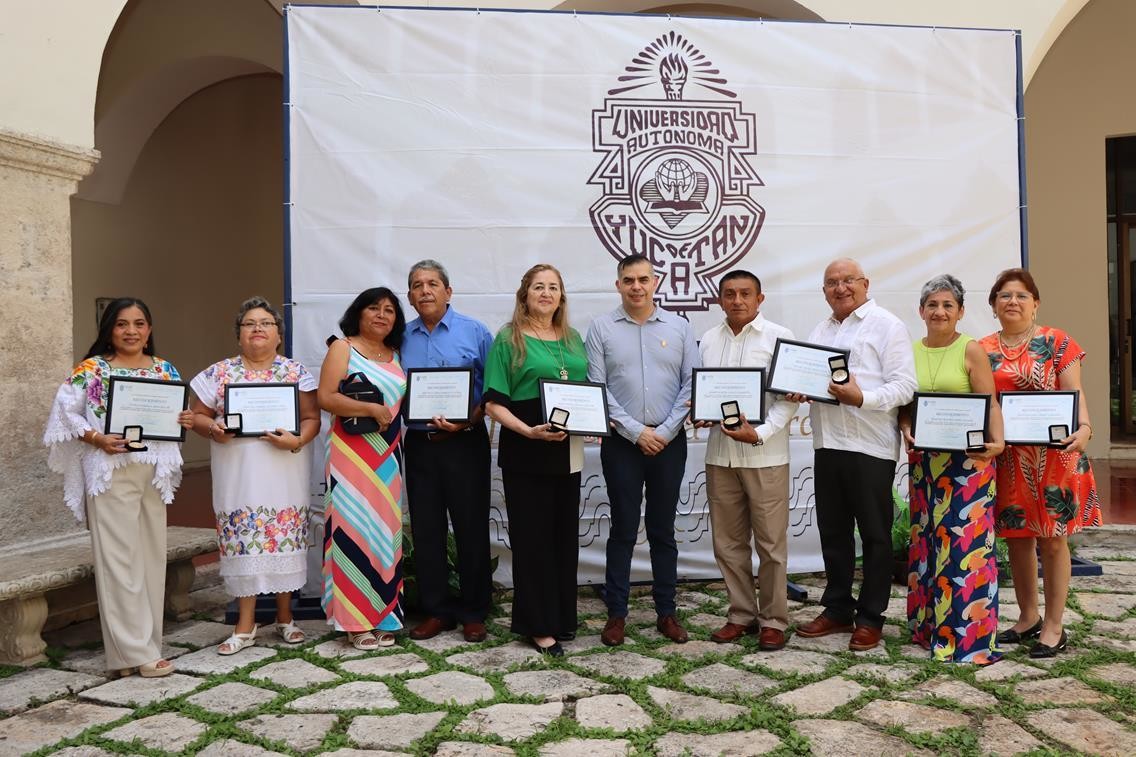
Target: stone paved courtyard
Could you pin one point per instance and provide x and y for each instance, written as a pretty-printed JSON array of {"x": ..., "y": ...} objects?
[{"x": 444, "y": 696}]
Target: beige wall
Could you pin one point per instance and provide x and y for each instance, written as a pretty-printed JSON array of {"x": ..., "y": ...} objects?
[
  {"x": 199, "y": 229},
  {"x": 1077, "y": 99}
]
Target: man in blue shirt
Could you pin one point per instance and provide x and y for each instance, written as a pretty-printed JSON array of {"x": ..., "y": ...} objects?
[
  {"x": 645, "y": 355},
  {"x": 447, "y": 464}
]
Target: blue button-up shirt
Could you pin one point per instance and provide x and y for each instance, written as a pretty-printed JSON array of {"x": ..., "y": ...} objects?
[
  {"x": 457, "y": 341},
  {"x": 647, "y": 369}
]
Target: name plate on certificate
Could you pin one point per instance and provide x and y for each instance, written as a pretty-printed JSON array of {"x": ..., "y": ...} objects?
[
  {"x": 584, "y": 402},
  {"x": 431, "y": 392},
  {"x": 948, "y": 422},
  {"x": 152, "y": 404},
  {"x": 1035, "y": 418},
  {"x": 808, "y": 369},
  {"x": 712, "y": 387},
  {"x": 263, "y": 408}
]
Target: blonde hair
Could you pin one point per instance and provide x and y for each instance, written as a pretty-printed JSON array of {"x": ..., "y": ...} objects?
[{"x": 520, "y": 317}]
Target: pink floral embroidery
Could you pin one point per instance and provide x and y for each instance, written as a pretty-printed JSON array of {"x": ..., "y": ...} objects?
[{"x": 263, "y": 530}]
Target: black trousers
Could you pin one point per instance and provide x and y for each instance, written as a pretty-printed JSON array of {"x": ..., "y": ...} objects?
[
  {"x": 450, "y": 477},
  {"x": 853, "y": 490},
  {"x": 544, "y": 518},
  {"x": 627, "y": 471}
]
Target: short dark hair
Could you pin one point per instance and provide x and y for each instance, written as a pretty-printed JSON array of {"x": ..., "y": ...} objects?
[
  {"x": 631, "y": 260},
  {"x": 104, "y": 344},
  {"x": 258, "y": 303},
  {"x": 349, "y": 323},
  {"x": 739, "y": 273},
  {"x": 1014, "y": 274}
]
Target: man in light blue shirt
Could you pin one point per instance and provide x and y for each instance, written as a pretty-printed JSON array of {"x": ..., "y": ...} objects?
[
  {"x": 645, "y": 355},
  {"x": 447, "y": 464}
]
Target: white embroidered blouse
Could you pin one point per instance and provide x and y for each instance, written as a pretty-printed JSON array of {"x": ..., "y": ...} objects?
[{"x": 80, "y": 406}]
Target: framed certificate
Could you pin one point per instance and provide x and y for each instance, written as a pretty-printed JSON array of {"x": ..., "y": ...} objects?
[
  {"x": 262, "y": 408},
  {"x": 1039, "y": 418},
  {"x": 431, "y": 392},
  {"x": 950, "y": 422},
  {"x": 152, "y": 404},
  {"x": 803, "y": 368},
  {"x": 577, "y": 407},
  {"x": 713, "y": 387}
]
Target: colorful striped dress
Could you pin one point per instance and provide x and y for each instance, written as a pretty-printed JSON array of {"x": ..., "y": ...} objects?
[{"x": 362, "y": 559}]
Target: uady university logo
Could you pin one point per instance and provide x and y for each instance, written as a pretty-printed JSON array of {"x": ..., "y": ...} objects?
[{"x": 675, "y": 173}]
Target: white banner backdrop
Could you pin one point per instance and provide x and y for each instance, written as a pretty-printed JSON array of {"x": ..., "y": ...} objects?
[{"x": 494, "y": 140}]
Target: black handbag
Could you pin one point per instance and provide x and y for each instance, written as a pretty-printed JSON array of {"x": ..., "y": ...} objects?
[{"x": 359, "y": 387}]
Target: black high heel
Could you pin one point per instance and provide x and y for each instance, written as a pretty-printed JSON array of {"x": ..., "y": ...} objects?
[
  {"x": 553, "y": 650},
  {"x": 1041, "y": 651},
  {"x": 1010, "y": 636}
]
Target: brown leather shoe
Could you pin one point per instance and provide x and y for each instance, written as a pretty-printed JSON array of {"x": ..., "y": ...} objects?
[
  {"x": 431, "y": 627},
  {"x": 865, "y": 638},
  {"x": 668, "y": 626},
  {"x": 823, "y": 625},
  {"x": 473, "y": 631},
  {"x": 731, "y": 632},
  {"x": 612, "y": 635},
  {"x": 771, "y": 639}
]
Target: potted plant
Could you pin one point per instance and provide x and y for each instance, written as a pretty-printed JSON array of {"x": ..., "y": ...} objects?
[{"x": 900, "y": 537}]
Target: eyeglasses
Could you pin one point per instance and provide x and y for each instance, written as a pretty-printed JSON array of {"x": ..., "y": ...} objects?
[
  {"x": 1010, "y": 296},
  {"x": 262, "y": 325},
  {"x": 846, "y": 281}
]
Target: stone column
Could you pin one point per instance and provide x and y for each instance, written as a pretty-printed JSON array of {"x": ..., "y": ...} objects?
[{"x": 37, "y": 179}]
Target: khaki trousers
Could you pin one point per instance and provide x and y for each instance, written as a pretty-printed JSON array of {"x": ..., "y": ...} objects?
[
  {"x": 128, "y": 533},
  {"x": 745, "y": 501}
]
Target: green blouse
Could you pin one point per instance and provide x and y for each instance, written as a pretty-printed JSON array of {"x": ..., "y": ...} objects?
[
  {"x": 542, "y": 360},
  {"x": 943, "y": 369}
]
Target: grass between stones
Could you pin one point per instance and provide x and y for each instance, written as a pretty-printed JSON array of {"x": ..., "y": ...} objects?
[{"x": 760, "y": 712}]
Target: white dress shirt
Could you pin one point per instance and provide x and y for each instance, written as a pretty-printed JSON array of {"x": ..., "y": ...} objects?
[
  {"x": 752, "y": 347},
  {"x": 883, "y": 365}
]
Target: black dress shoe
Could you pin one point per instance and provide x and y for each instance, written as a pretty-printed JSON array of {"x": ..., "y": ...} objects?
[
  {"x": 567, "y": 636},
  {"x": 1040, "y": 650},
  {"x": 1010, "y": 636},
  {"x": 555, "y": 650}
]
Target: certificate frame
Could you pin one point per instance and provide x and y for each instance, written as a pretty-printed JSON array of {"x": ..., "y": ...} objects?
[
  {"x": 256, "y": 386},
  {"x": 411, "y": 395},
  {"x": 556, "y": 391},
  {"x": 174, "y": 394},
  {"x": 1072, "y": 398},
  {"x": 947, "y": 399},
  {"x": 713, "y": 413},
  {"x": 824, "y": 352}
]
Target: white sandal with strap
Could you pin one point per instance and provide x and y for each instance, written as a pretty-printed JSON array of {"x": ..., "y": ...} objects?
[
  {"x": 237, "y": 642},
  {"x": 290, "y": 632},
  {"x": 364, "y": 641}
]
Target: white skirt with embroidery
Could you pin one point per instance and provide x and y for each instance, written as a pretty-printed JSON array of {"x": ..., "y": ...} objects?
[{"x": 260, "y": 499}]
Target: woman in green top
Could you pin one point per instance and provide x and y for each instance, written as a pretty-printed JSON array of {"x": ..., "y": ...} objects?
[
  {"x": 952, "y": 581},
  {"x": 540, "y": 468}
]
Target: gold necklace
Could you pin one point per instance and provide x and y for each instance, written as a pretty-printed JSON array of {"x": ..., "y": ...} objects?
[
  {"x": 1023, "y": 344},
  {"x": 559, "y": 347},
  {"x": 942, "y": 356}
]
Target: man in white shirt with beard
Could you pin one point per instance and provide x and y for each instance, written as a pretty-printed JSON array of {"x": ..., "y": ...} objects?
[
  {"x": 747, "y": 473},
  {"x": 856, "y": 445}
]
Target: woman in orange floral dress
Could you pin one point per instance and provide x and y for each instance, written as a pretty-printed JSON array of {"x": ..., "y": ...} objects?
[{"x": 1044, "y": 493}]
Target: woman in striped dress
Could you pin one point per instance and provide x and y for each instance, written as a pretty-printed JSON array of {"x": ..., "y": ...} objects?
[{"x": 362, "y": 562}]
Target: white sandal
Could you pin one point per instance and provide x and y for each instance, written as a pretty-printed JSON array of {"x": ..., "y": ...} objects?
[
  {"x": 364, "y": 641},
  {"x": 290, "y": 632},
  {"x": 237, "y": 642}
]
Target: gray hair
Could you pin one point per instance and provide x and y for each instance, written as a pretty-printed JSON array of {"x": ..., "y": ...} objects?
[
  {"x": 256, "y": 302},
  {"x": 942, "y": 283},
  {"x": 428, "y": 265}
]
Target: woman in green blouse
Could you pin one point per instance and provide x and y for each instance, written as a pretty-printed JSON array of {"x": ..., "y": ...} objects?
[{"x": 540, "y": 468}]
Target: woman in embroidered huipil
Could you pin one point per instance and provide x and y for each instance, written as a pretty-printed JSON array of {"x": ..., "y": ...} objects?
[
  {"x": 260, "y": 484},
  {"x": 125, "y": 493},
  {"x": 362, "y": 542},
  {"x": 1044, "y": 494},
  {"x": 952, "y": 582}
]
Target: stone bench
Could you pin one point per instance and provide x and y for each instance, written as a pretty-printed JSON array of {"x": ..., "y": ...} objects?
[{"x": 58, "y": 580}]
